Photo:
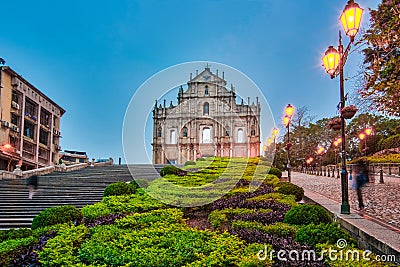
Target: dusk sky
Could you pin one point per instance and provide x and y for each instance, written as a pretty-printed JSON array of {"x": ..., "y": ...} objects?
[{"x": 91, "y": 56}]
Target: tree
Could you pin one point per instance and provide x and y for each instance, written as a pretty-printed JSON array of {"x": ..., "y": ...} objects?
[{"x": 382, "y": 58}]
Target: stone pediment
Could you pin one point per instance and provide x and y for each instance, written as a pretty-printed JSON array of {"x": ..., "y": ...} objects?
[{"x": 206, "y": 76}]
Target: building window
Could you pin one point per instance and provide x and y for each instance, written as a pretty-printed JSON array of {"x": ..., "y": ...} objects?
[
  {"x": 185, "y": 132},
  {"x": 43, "y": 137},
  {"x": 253, "y": 132},
  {"x": 206, "y": 108},
  {"x": 173, "y": 137},
  {"x": 206, "y": 93},
  {"x": 30, "y": 109},
  {"x": 29, "y": 129},
  {"x": 45, "y": 118},
  {"x": 227, "y": 133},
  {"x": 159, "y": 132},
  {"x": 206, "y": 136},
  {"x": 15, "y": 97},
  {"x": 14, "y": 119},
  {"x": 240, "y": 136}
]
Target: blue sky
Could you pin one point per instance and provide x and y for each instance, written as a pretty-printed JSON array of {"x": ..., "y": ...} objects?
[{"x": 91, "y": 56}]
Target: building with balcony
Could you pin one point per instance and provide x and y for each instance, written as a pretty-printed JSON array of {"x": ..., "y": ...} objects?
[
  {"x": 30, "y": 124},
  {"x": 207, "y": 121}
]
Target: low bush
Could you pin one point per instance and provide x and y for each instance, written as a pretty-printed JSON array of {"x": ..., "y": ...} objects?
[
  {"x": 91, "y": 212},
  {"x": 322, "y": 233},
  {"x": 56, "y": 215},
  {"x": 170, "y": 169},
  {"x": 201, "y": 159},
  {"x": 272, "y": 180},
  {"x": 275, "y": 171},
  {"x": 119, "y": 189},
  {"x": 291, "y": 189},
  {"x": 278, "y": 197},
  {"x": 276, "y": 229},
  {"x": 15, "y": 234},
  {"x": 61, "y": 250},
  {"x": 190, "y": 162},
  {"x": 131, "y": 203},
  {"x": 11, "y": 249},
  {"x": 218, "y": 218},
  {"x": 306, "y": 214}
]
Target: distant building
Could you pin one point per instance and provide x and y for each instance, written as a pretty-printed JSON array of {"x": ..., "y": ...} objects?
[
  {"x": 72, "y": 157},
  {"x": 30, "y": 124},
  {"x": 206, "y": 122}
]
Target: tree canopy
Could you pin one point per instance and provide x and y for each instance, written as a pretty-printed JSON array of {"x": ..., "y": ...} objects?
[{"x": 382, "y": 58}]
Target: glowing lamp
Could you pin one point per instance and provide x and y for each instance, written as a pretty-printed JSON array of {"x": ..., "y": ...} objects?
[
  {"x": 286, "y": 121},
  {"x": 275, "y": 132},
  {"x": 331, "y": 61},
  {"x": 351, "y": 19},
  {"x": 289, "y": 110},
  {"x": 368, "y": 131},
  {"x": 7, "y": 146},
  {"x": 361, "y": 136},
  {"x": 320, "y": 150}
]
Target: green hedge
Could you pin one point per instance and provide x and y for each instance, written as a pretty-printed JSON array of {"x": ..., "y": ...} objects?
[
  {"x": 275, "y": 171},
  {"x": 190, "y": 162},
  {"x": 322, "y": 233},
  {"x": 15, "y": 234},
  {"x": 119, "y": 189},
  {"x": 170, "y": 169},
  {"x": 306, "y": 214},
  {"x": 287, "y": 188},
  {"x": 56, "y": 215}
]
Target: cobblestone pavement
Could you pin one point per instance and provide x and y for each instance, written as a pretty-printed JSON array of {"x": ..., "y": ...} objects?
[{"x": 381, "y": 200}]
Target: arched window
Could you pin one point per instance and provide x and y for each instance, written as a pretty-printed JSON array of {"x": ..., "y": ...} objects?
[
  {"x": 253, "y": 132},
  {"x": 173, "y": 137},
  {"x": 206, "y": 93},
  {"x": 185, "y": 132},
  {"x": 206, "y": 136},
  {"x": 159, "y": 132},
  {"x": 206, "y": 108},
  {"x": 240, "y": 136}
]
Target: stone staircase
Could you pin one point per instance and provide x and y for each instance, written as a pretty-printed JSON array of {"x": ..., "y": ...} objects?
[{"x": 77, "y": 188}]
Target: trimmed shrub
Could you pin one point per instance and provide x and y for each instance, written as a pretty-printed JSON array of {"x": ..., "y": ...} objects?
[
  {"x": 318, "y": 234},
  {"x": 170, "y": 169},
  {"x": 190, "y": 162},
  {"x": 119, "y": 189},
  {"x": 56, "y": 215},
  {"x": 306, "y": 214},
  {"x": 15, "y": 234},
  {"x": 91, "y": 212},
  {"x": 201, "y": 159},
  {"x": 275, "y": 171},
  {"x": 287, "y": 188}
]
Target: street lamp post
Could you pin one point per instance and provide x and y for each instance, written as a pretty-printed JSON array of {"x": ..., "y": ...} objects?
[
  {"x": 363, "y": 136},
  {"x": 289, "y": 110},
  {"x": 275, "y": 133},
  {"x": 334, "y": 61}
]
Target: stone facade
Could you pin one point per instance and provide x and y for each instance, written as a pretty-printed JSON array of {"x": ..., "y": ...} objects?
[
  {"x": 30, "y": 124},
  {"x": 207, "y": 121}
]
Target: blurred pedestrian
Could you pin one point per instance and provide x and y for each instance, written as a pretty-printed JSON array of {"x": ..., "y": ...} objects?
[
  {"x": 361, "y": 180},
  {"x": 32, "y": 183}
]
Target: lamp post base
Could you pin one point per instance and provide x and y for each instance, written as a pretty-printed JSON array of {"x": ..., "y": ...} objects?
[{"x": 345, "y": 208}]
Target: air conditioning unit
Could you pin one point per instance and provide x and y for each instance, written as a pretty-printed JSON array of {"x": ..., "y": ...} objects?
[
  {"x": 16, "y": 129},
  {"x": 5, "y": 123},
  {"x": 14, "y": 105}
]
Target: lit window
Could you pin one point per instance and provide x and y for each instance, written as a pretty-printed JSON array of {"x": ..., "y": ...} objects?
[
  {"x": 206, "y": 108},
  {"x": 185, "y": 132},
  {"x": 206, "y": 135},
  {"x": 240, "y": 136}
]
